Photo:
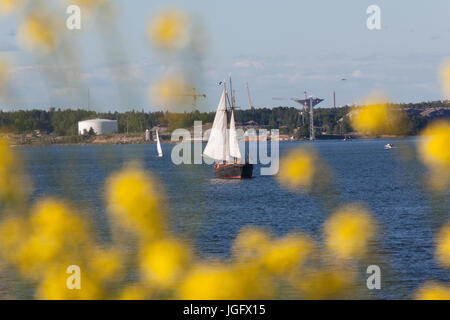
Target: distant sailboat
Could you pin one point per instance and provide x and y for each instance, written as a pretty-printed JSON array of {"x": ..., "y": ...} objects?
[
  {"x": 223, "y": 143},
  {"x": 158, "y": 145}
]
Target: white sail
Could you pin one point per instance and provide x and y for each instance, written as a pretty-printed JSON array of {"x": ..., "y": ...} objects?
[
  {"x": 234, "y": 144},
  {"x": 217, "y": 147},
  {"x": 158, "y": 145}
]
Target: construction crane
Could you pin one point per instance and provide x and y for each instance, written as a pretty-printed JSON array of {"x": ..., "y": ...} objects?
[
  {"x": 308, "y": 103},
  {"x": 194, "y": 96},
  {"x": 249, "y": 98}
]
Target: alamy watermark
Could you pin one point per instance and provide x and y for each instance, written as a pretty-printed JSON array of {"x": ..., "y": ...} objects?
[
  {"x": 374, "y": 20},
  {"x": 73, "y": 22},
  {"x": 374, "y": 280},
  {"x": 73, "y": 281}
]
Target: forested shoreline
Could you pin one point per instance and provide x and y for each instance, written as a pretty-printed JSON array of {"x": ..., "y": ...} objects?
[{"x": 289, "y": 120}]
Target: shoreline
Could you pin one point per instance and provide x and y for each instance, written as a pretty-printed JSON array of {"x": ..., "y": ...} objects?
[{"x": 133, "y": 140}]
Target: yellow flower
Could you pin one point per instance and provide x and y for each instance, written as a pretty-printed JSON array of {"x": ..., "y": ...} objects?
[
  {"x": 14, "y": 232},
  {"x": 445, "y": 77},
  {"x": 52, "y": 217},
  {"x": 38, "y": 32},
  {"x": 163, "y": 261},
  {"x": 443, "y": 246},
  {"x": 434, "y": 146},
  {"x": 135, "y": 292},
  {"x": 171, "y": 90},
  {"x": 251, "y": 243},
  {"x": 7, "y": 157},
  {"x": 258, "y": 284},
  {"x": 106, "y": 264},
  {"x": 54, "y": 287},
  {"x": 13, "y": 184},
  {"x": 433, "y": 291},
  {"x": 89, "y": 4},
  {"x": 286, "y": 254},
  {"x": 169, "y": 30},
  {"x": 348, "y": 231},
  {"x": 8, "y": 6},
  {"x": 326, "y": 284},
  {"x": 57, "y": 235},
  {"x": 377, "y": 117},
  {"x": 133, "y": 200},
  {"x": 297, "y": 169},
  {"x": 435, "y": 153},
  {"x": 214, "y": 281},
  {"x": 37, "y": 254}
]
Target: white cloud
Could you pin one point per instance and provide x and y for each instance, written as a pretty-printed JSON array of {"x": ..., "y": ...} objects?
[
  {"x": 249, "y": 64},
  {"x": 357, "y": 74}
]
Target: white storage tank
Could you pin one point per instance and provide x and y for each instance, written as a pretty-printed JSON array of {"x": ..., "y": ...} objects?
[{"x": 100, "y": 126}]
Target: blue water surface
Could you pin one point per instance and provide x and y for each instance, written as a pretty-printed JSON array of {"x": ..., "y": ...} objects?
[{"x": 210, "y": 211}]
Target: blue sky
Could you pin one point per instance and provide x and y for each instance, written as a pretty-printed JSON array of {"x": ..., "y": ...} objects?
[{"x": 280, "y": 48}]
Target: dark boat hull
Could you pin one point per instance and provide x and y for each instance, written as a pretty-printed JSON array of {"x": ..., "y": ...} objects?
[{"x": 233, "y": 171}]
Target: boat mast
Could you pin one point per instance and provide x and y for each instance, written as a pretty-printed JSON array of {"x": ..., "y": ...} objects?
[
  {"x": 226, "y": 106},
  {"x": 231, "y": 93},
  {"x": 232, "y": 104},
  {"x": 249, "y": 99}
]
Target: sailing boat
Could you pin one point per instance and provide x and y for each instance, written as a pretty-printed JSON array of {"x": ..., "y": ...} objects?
[
  {"x": 158, "y": 145},
  {"x": 223, "y": 144}
]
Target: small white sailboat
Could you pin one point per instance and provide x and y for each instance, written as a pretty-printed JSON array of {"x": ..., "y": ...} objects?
[{"x": 158, "y": 145}]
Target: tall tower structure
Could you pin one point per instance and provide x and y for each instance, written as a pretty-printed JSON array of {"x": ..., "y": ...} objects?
[{"x": 310, "y": 103}]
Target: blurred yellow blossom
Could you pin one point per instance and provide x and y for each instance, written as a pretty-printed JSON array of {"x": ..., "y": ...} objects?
[
  {"x": 12, "y": 181},
  {"x": 297, "y": 169},
  {"x": 251, "y": 243},
  {"x": 348, "y": 231},
  {"x": 326, "y": 284},
  {"x": 39, "y": 32},
  {"x": 135, "y": 292},
  {"x": 443, "y": 246},
  {"x": 106, "y": 264},
  {"x": 433, "y": 291},
  {"x": 132, "y": 198},
  {"x": 445, "y": 77},
  {"x": 7, "y": 157},
  {"x": 89, "y": 4},
  {"x": 435, "y": 153},
  {"x": 434, "y": 146},
  {"x": 163, "y": 261},
  {"x": 57, "y": 235},
  {"x": 52, "y": 217},
  {"x": 101, "y": 9},
  {"x": 169, "y": 29},
  {"x": 13, "y": 234},
  {"x": 8, "y": 6},
  {"x": 54, "y": 287},
  {"x": 172, "y": 91},
  {"x": 376, "y": 117},
  {"x": 259, "y": 284},
  {"x": 286, "y": 254},
  {"x": 214, "y": 281}
]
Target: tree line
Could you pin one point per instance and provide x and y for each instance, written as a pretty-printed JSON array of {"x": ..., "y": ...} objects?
[{"x": 287, "y": 119}]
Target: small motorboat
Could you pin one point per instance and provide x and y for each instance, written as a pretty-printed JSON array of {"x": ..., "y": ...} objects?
[{"x": 389, "y": 146}]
